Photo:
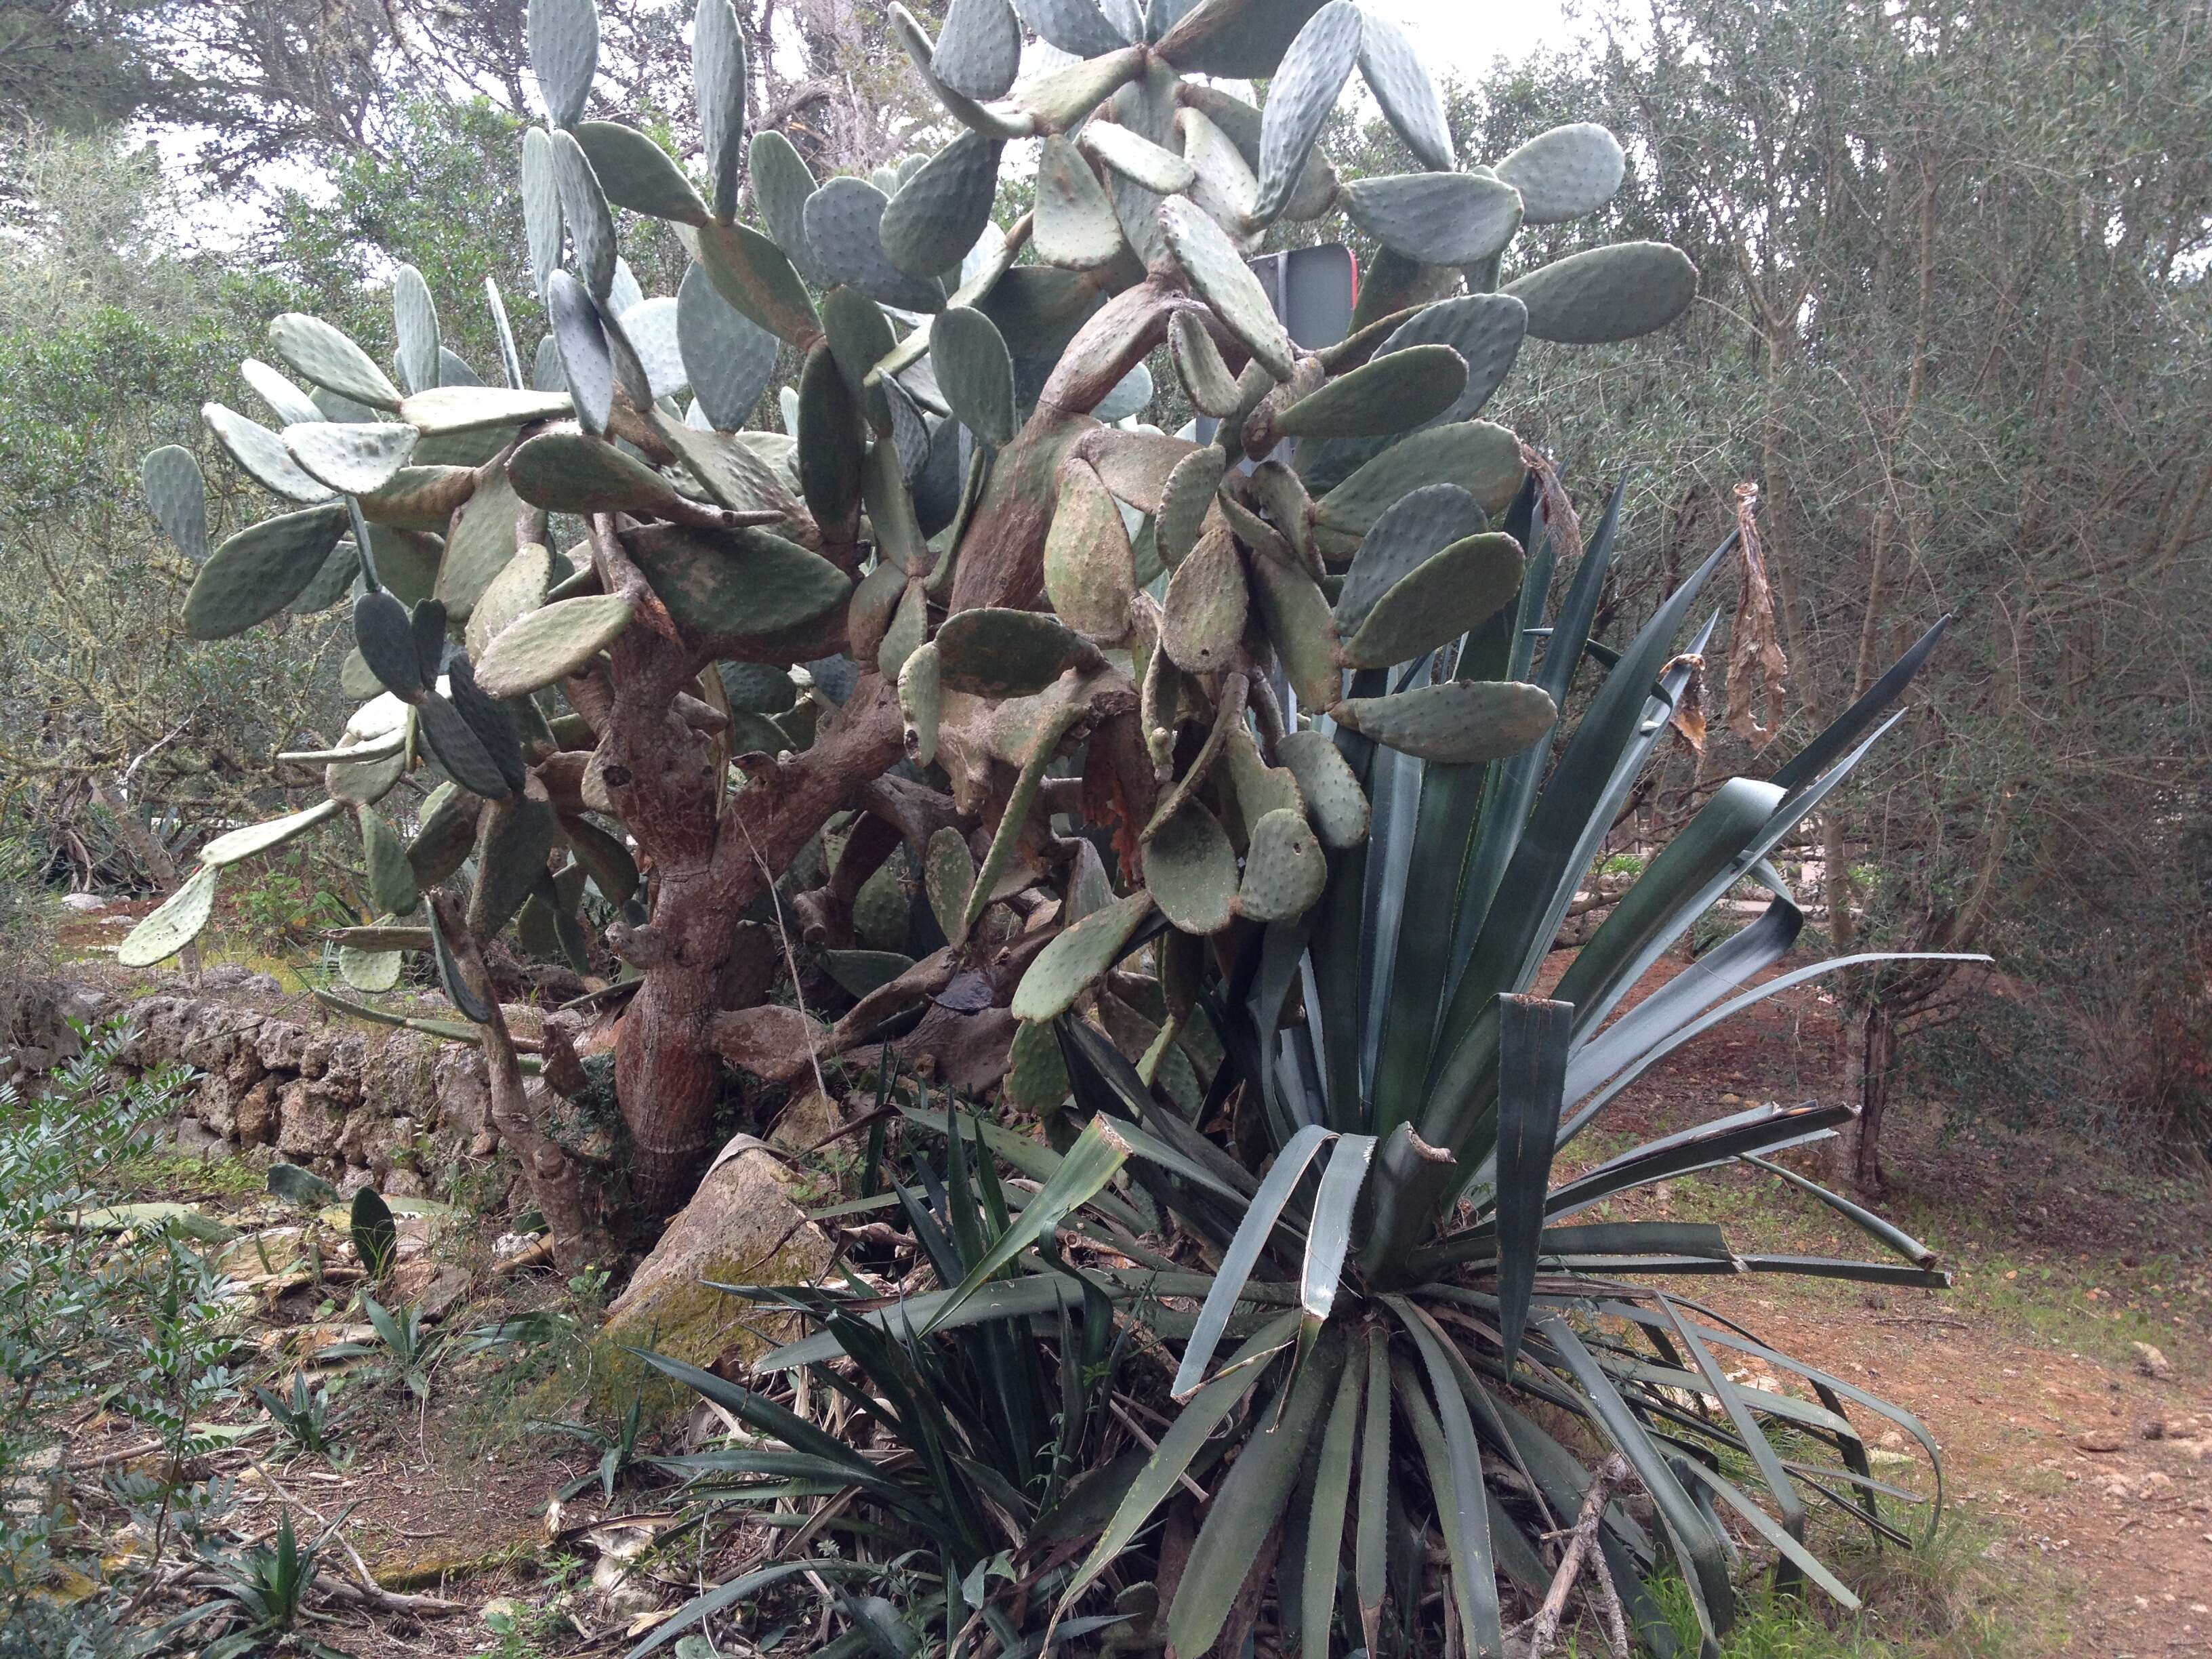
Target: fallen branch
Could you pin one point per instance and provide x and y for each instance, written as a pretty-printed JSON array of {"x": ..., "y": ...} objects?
[{"x": 1544, "y": 1629}]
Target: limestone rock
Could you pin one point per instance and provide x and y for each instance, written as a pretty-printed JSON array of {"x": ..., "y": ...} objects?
[
  {"x": 2151, "y": 1362},
  {"x": 742, "y": 1228}
]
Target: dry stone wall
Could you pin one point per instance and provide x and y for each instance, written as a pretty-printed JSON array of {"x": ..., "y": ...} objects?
[{"x": 356, "y": 1104}]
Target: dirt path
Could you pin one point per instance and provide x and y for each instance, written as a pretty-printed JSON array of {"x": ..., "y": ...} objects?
[{"x": 2093, "y": 1478}]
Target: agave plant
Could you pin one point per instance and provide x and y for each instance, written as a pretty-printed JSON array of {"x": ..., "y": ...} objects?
[
  {"x": 1430, "y": 1351},
  {"x": 990, "y": 568}
]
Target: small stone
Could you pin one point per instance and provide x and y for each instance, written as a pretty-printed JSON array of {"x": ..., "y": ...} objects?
[
  {"x": 2151, "y": 1362},
  {"x": 2099, "y": 1440},
  {"x": 84, "y": 904},
  {"x": 2153, "y": 1484},
  {"x": 1731, "y": 1100},
  {"x": 501, "y": 1614}
]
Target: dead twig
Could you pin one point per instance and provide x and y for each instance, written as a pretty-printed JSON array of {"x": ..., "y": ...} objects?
[{"x": 1544, "y": 1629}]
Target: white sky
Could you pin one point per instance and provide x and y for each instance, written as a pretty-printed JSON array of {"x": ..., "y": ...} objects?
[{"x": 1460, "y": 38}]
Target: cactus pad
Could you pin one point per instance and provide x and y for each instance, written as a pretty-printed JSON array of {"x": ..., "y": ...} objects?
[
  {"x": 1190, "y": 870},
  {"x": 939, "y": 212},
  {"x": 1438, "y": 218},
  {"x": 358, "y": 460},
  {"x": 1387, "y": 394},
  {"x": 1075, "y": 226},
  {"x": 255, "y": 838},
  {"x": 1090, "y": 572},
  {"x": 564, "y": 55},
  {"x": 975, "y": 372},
  {"x": 177, "y": 494},
  {"x": 727, "y": 357},
  {"x": 1483, "y": 459},
  {"x": 1136, "y": 158},
  {"x": 176, "y": 924},
  {"x": 744, "y": 583},
  {"x": 1300, "y": 98},
  {"x": 1461, "y": 721},
  {"x": 260, "y": 570},
  {"x": 321, "y": 355},
  {"x": 1078, "y": 958},
  {"x": 989, "y": 653},
  {"x": 1612, "y": 293},
  {"x": 1285, "y": 868},
  {"x": 1403, "y": 87},
  {"x": 636, "y": 173},
  {"x": 1411, "y": 531},
  {"x": 1466, "y": 583},
  {"x": 261, "y": 455},
  {"x": 1565, "y": 172},
  {"x": 551, "y": 642},
  {"x": 844, "y": 228},
  {"x": 1222, "y": 278},
  {"x": 979, "y": 50},
  {"x": 1335, "y": 800},
  {"x": 1208, "y": 600}
]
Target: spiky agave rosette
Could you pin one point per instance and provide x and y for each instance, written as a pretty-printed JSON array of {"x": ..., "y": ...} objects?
[{"x": 1083, "y": 616}]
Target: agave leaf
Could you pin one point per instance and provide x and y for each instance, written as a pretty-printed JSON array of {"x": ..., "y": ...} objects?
[
  {"x": 1532, "y": 1059},
  {"x": 1252, "y": 1498},
  {"x": 1253, "y": 1236},
  {"x": 1085, "y": 1168},
  {"x": 1447, "y": 1439},
  {"x": 1329, "y": 1237},
  {"x": 1331, "y": 1501},
  {"x": 1181, "y": 1444}
]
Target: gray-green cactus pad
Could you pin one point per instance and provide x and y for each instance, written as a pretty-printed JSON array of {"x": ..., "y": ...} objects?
[
  {"x": 1486, "y": 331},
  {"x": 939, "y": 213},
  {"x": 1078, "y": 958},
  {"x": 551, "y": 642},
  {"x": 719, "y": 76},
  {"x": 1300, "y": 98},
  {"x": 1438, "y": 218},
  {"x": 177, "y": 494},
  {"x": 1135, "y": 157},
  {"x": 1407, "y": 92},
  {"x": 1461, "y": 721},
  {"x": 993, "y": 652},
  {"x": 1482, "y": 459},
  {"x": 744, "y": 583},
  {"x": 1222, "y": 278},
  {"x": 1075, "y": 226},
  {"x": 1389, "y": 393},
  {"x": 569, "y": 473},
  {"x": 258, "y": 572},
  {"x": 1074, "y": 26},
  {"x": 1335, "y": 800},
  {"x": 1207, "y": 601},
  {"x": 286, "y": 401},
  {"x": 564, "y": 54},
  {"x": 1611, "y": 293},
  {"x": 1285, "y": 868},
  {"x": 320, "y": 354},
  {"x": 1411, "y": 531},
  {"x": 1466, "y": 583},
  {"x": 1565, "y": 172},
  {"x": 1189, "y": 492},
  {"x": 358, "y": 460},
  {"x": 1190, "y": 869},
  {"x": 260, "y": 453},
  {"x": 254, "y": 838},
  {"x": 727, "y": 357},
  {"x": 974, "y": 371},
  {"x": 978, "y": 50},
  {"x": 1090, "y": 572},
  {"x": 844, "y": 228},
  {"x": 176, "y": 924},
  {"x": 636, "y": 173}
]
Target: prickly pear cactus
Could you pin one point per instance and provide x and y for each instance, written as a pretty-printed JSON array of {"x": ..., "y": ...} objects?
[{"x": 1137, "y": 678}]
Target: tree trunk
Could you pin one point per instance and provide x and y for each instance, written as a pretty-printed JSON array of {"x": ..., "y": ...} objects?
[{"x": 1875, "y": 1041}]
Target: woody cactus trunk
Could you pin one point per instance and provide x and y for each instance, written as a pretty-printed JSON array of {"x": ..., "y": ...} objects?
[{"x": 1027, "y": 618}]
